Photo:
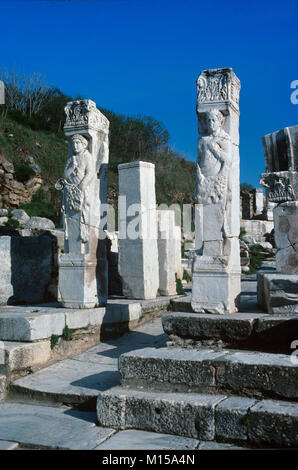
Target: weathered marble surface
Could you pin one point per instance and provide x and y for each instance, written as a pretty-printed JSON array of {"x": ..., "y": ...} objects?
[
  {"x": 286, "y": 237},
  {"x": 83, "y": 276},
  {"x": 281, "y": 150},
  {"x": 278, "y": 292},
  {"x": 216, "y": 268},
  {"x": 138, "y": 250},
  {"x": 166, "y": 252}
]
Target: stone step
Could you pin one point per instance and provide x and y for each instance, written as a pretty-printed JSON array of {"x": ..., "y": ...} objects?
[
  {"x": 204, "y": 417},
  {"x": 45, "y": 427},
  {"x": 39, "y": 322},
  {"x": 227, "y": 371},
  {"x": 249, "y": 330},
  {"x": 67, "y": 382},
  {"x": 144, "y": 440},
  {"x": 18, "y": 357},
  {"x": 8, "y": 445}
]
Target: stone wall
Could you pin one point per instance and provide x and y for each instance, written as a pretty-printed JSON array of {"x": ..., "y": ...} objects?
[
  {"x": 14, "y": 192},
  {"x": 29, "y": 269}
]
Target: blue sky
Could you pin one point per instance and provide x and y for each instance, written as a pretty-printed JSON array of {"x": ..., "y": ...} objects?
[{"x": 143, "y": 56}]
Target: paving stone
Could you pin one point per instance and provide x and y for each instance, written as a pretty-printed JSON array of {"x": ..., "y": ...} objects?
[
  {"x": 274, "y": 423},
  {"x": 143, "y": 440},
  {"x": 189, "y": 415},
  {"x": 8, "y": 445},
  {"x": 219, "y": 446},
  {"x": 52, "y": 428},
  {"x": 108, "y": 352},
  {"x": 68, "y": 381},
  {"x": 231, "y": 418},
  {"x": 172, "y": 369}
]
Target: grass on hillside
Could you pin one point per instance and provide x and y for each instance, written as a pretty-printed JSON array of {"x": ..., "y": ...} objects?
[{"x": 175, "y": 176}]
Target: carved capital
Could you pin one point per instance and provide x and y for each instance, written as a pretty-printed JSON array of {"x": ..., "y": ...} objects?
[
  {"x": 84, "y": 114},
  {"x": 279, "y": 187},
  {"x": 218, "y": 86}
]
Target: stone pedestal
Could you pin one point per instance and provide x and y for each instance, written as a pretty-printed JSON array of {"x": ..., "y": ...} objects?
[
  {"x": 166, "y": 252},
  {"x": 83, "y": 280},
  {"x": 138, "y": 251},
  {"x": 216, "y": 268}
]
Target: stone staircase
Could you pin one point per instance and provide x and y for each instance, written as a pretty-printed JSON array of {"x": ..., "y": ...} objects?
[
  {"x": 226, "y": 396},
  {"x": 221, "y": 379}
]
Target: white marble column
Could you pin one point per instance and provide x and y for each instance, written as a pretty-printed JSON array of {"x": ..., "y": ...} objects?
[{"x": 138, "y": 251}]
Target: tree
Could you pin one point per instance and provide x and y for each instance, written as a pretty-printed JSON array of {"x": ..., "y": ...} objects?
[
  {"x": 246, "y": 187},
  {"x": 24, "y": 93}
]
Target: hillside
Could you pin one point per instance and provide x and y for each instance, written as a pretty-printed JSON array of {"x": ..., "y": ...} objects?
[{"x": 130, "y": 139}]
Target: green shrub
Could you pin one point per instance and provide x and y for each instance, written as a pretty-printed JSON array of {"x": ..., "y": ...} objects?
[
  {"x": 67, "y": 333},
  {"x": 179, "y": 286},
  {"x": 187, "y": 277},
  {"x": 23, "y": 172},
  {"x": 54, "y": 341},
  {"x": 257, "y": 256}
]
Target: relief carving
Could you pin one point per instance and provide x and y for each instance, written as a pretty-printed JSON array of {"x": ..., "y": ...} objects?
[
  {"x": 85, "y": 113},
  {"x": 280, "y": 189},
  {"x": 214, "y": 160},
  {"x": 79, "y": 173}
]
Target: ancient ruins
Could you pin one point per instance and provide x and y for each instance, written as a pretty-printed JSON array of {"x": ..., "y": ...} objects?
[{"x": 143, "y": 336}]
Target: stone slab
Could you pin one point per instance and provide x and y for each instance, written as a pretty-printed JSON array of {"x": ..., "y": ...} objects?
[
  {"x": 170, "y": 369},
  {"x": 50, "y": 428},
  {"x": 274, "y": 423},
  {"x": 251, "y": 373},
  {"x": 227, "y": 327},
  {"x": 8, "y": 445},
  {"x": 278, "y": 293},
  {"x": 31, "y": 323},
  {"x": 68, "y": 381},
  {"x": 21, "y": 356},
  {"x": 143, "y": 440},
  {"x": 230, "y": 418},
  {"x": 211, "y": 445},
  {"x": 259, "y": 373},
  {"x": 189, "y": 415},
  {"x": 149, "y": 334}
]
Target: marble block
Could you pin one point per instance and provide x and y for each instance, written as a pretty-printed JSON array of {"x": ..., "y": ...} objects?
[
  {"x": 166, "y": 252},
  {"x": 138, "y": 250}
]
